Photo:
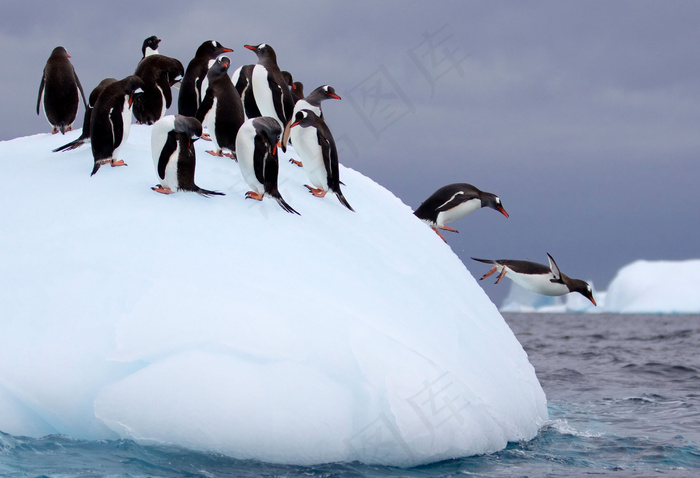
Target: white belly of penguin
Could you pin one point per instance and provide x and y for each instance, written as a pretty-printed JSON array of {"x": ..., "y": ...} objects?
[
  {"x": 305, "y": 141},
  {"x": 162, "y": 99},
  {"x": 467, "y": 207},
  {"x": 210, "y": 123},
  {"x": 245, "y": 150},
  {"x": 263, "y": 94},
  {"x": 540, "y": 283},
  {"x": 170, "y": 180}
]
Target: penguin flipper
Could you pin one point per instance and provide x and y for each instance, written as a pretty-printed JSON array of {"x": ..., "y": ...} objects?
[
  {"x": 207, "y": 192},
  {"x": 260, "y": 153},
  {"x": 80, "y": 88},
  {"x": 277, "y": 101},
  {"x": 76, "y": 143},
  {"x": 204, "y": 107},
  {"x": 485, "y": 261},
  {"x": 555, "y": 269},
  {"x": 117, "y": 127},
  {"x": 41, "y": 92},
  {"x": 166, "y": 152}
]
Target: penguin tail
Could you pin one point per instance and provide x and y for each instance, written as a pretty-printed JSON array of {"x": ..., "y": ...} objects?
[
  {"x": 283, "y": 204},
  {"x": 71, "y": 146},
  {"x": 485, "y": 261},
  {"x": 343, "y": 201},
  {"x": 95, "y": 168},
  {"x": 208, "y": 193}
]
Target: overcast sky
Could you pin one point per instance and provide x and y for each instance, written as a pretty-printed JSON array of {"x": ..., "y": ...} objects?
[{"x": 583, "y": 116}]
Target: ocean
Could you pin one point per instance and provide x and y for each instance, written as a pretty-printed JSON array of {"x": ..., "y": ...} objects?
[{"x": 623, "y": 394}]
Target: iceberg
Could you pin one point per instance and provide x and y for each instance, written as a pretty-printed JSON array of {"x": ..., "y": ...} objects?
[
  {"x": 230, "y": 326},
  {"x": 656, "y": 287}
]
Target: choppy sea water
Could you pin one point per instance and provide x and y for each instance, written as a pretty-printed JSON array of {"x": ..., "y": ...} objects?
[{"x": 623, "y": 394}]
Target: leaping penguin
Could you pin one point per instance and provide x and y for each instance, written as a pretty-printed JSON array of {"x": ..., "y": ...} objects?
[
  {"x": 110, "y": 121},
  {"x": 172, "y": 148},
  {"x": 60, "y": 90},
  {"x": 453, "y": 202},
  {"x": 221, "y": 110},
  {"x": 190, "y": 91},
  {"x": 316, "y": 147},
  {"x": 538, "y": 277},
  {"x": 256, "y": 147}
]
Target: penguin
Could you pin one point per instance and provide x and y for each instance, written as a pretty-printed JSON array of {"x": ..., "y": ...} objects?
[
  {"x": 85, "y": 134},
  {"x": 150, "y": 46},
  {"x": 311, "y": 102},
  {"x": 190, "y": 89},
  {"x": 60, "y": 91},
  {"x": 172, "y": 147},
  {"x": 256, "y": 147},
  {"x": 270, "y": 88},
  {"x": 110, "y": 121},
  {"x": 242, "y": 79},
  {"x": 453, "y": 202},
  {"x": 297, "y": 91},
  {"x": 221, "y": 110},
  {"x": 538, "y": 277},
  {"x": 159, "y": 74},
  {"x": 316, "y": 147}
]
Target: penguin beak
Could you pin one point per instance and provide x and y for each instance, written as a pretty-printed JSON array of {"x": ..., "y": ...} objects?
[
  {"x": 131, "y": 99},
  {"x": 334, "y": 96},
  {"x": 503, "y": 211},
  {"x": 590, "y": 297},
  {"x": 274, "y": 149},
  {"x": 227, "y": 50},
  {"x": 67, "y": 55},
  {"x": 250, "y": 47},
  {"x": 295, "y": 124}
]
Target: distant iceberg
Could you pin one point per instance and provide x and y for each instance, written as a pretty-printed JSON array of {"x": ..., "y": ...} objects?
[
  {"x": 656, "y": 287},
  {"x": 228, "y": 325}
]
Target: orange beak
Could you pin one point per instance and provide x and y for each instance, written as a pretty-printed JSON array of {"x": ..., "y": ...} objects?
[
  {"x": 503, "y": 211},
  {"x": 131, "y": 99}
]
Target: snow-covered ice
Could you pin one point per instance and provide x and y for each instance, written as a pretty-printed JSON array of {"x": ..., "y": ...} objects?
[
  {"x": 229, "y": 325},
  {"x": 656, "y": 287}
]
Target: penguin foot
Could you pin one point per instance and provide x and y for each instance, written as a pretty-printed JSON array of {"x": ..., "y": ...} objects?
[
  {"x": 502, "y": 275},
  {"x": 254, "y": 195},
  {"x": 215, "y": 153},
  {"x": 448, "y": 228},
  {"x": 117, "y": 162},
  {"x": 489, "y": 273},
  {"x": 162, "y": 190},
  {"x": 231, "y": 155},
  {"x": 438, "y": 233},
  {"x": 294, "y": 161},
  {"x": 319, "y": 193},
  {"x": 206, "y": 137},
  {"x": 54, "y": 130}
]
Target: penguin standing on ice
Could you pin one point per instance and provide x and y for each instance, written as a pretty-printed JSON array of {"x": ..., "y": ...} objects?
[
  {"x": 453, "y": 202},
  {"x": 316, "y": 147},
  {"x": 270, "y": 88},
  {"x": 110, "y": 121},
  {"x": 172, "y": 147},
  {"x": 159, "y": 74},
  {"x": 256, "y": 147},
  {"x": 85, "y": 134},
  {"x": 311, "y": 102},
  {"x": 538, "y": 277},
  {"x": 190, "y": 91},
  {"x": 242, "y": 79},
  {"x": 221, "y": 110},
  {"x": 60, "y": 90}
]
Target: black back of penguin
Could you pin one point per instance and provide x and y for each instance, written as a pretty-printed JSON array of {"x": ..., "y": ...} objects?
[
  {"x": 61, "y": 91},
  {"x": 190, "y": 90},
  {"x": 107, "y": 128},
  {"x": 159, "y": 73},
  {"x": 226, "y": 120}
]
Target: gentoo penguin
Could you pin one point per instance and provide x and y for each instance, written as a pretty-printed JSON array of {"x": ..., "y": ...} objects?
[
  {"x": 256, "y": 148},
  {"x": 159, "y": 73},
  {"x": 242, "y": 79},
  {"x": 150, "y": 46},
  {"x": 172, "y": 147},
  {"x": 85, "y": 134},
  {"x": 221, "y": 110},
  {"x": 270, "y": 88},
  {"x": 297, "y": 91},
  {"x": 453, "y": 202},
  {"x": 190, "y": 90},
  {"x": 316, "y": 147},
  {"x": 110, "y": 121},
  {"x": 61, "y": 91},
  {"x": 311, "y": 102},
  {"x": 538, "y": 277}
]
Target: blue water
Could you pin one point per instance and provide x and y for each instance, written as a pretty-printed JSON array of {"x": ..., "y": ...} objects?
[{"x": 623, "y": 394}]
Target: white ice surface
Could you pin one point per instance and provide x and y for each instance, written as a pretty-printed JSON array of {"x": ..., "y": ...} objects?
[
  {"x": 656, "y": 287},
  {"x": 229, "y": 325}
]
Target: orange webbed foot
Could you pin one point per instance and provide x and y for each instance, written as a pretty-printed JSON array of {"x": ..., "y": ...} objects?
[
  {"x": 206, "y": 137},
  {"x": 162, "y": 190},
  {"x": 501, "y": 275},
  {"x": 319, "y": 193},
  {"x": 254, "y": 195},
  {"x": 438, "y": 233},
  {"x": 215, "y": 153},
  {"x": 489, "y": 273},
  {"x": 117, "y": 162},
  {"x": 298, "y": 163},
  {"x": 448, "y": 228}
]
